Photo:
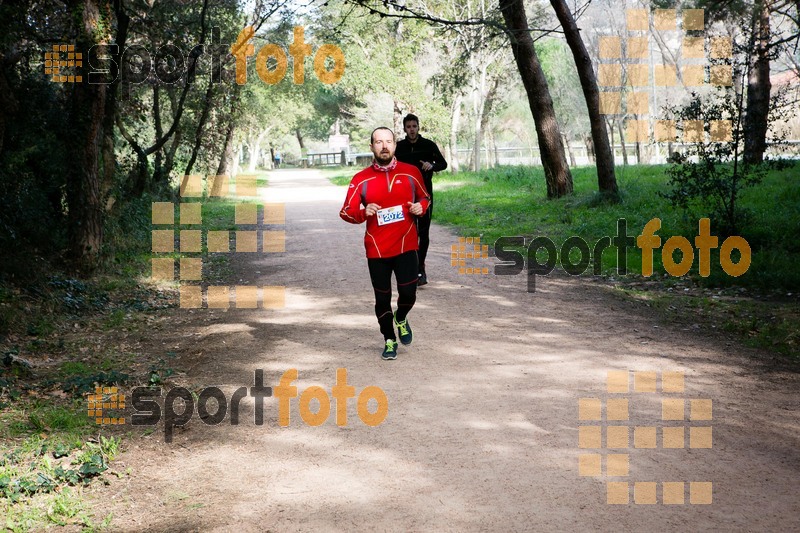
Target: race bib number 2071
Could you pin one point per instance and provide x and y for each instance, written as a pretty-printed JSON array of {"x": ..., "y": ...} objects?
[{"x": 390, "y": 215}]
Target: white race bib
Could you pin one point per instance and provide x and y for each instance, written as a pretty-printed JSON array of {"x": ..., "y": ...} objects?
[{"x": 390, "y": 215}]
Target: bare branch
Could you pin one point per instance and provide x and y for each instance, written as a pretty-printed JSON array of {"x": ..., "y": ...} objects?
[{"x": 405, "y": 12}]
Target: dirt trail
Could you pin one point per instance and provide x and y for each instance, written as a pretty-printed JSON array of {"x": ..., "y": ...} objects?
[{"x": 482, "y": 431}]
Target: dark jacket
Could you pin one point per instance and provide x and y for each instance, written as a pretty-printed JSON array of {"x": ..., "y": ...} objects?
[{"x": 422, "y": 150}]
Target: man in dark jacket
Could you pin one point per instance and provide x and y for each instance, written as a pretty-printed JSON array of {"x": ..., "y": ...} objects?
[{"x": 425, "y": 155}]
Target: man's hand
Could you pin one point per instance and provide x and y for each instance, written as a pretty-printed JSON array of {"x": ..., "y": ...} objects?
[
  {"x": 371, "y": 209},
  {"x": 415, "y": 209},
  {"x": 426, "y": 165}
]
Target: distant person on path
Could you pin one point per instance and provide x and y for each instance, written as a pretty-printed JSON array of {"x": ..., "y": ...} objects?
[
  {"x": 389, "y": 195},
  {"x": 425, "y": 155},
  {"x": 277, "y": 160}
]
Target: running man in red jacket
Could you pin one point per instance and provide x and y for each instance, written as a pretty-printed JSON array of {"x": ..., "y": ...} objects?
[{"x": 388, "y": 195}]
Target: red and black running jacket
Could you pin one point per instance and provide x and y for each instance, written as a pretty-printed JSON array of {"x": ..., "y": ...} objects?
[{"x": 388, "y": 188}]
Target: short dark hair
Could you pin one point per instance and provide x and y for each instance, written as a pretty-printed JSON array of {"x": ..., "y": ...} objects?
[
  {"x": 372, "y": 135},
  {"x": 410, "y": 117}
]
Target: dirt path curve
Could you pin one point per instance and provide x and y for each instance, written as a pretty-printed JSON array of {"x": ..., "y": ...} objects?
[{"x": 482, "y": 431}]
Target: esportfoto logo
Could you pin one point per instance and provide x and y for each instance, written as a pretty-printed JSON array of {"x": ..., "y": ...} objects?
[
  {"x": 213, "y": 406},
  {"x": 514, "y": 261},
  {"x": 169, "y": 64}
]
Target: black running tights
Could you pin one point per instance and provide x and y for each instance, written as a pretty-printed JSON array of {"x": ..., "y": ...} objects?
[{"x": 404, "y": 267}]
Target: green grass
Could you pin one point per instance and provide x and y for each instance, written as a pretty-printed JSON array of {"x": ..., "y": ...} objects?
[
  {"x": 75, "y": 368},
  {"x": 511, "y": 201},
  {"x": 115, "y": 319},
  {"x": 66, "y": 423},
  {"x": 341, "y": 179},
  {"x": 339, "y": 175},
  {"x": 50, "y": 449},
  {"x": 46, "y": 458}
]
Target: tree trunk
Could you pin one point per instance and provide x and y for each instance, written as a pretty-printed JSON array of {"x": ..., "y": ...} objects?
[
  {"x": 475, "y": 163},
  {"x": 163, "y": 169},
  {"x": 226, "y": 157},
  {"x": 398, "y": 117},
  {"x": 565, "y": 138},
  {"x": 590, "y": 153},
  {"x": 139, "y": 174},
  {"x": 554, "y": 162},
  {"x": 606, "y": 180},
  {"x": 645, "y": 153},
  {"x": 622, "y": 144},
  {"x": 456, "y": 114},
  {"x": 159, "y": 159},
  {"x": 303, "y": 151},
  {"x": 85, "y": 219},
  {"x": 255, "y": 150},
  {"x": 486, "y": 111},
  {"x": 198, "y": 134},
  {"x": 478, "y": 105},
  {"x": 169, "y": 164},
  {"x": 237, "y": 154},
  {"x": 490, "y": 160},
  {"x": 110, "y": 113},
  {"x": 224, "y": 167},
  {"x": 494, "y": 149},
  {"x": 756, "y": 120},
  {"x": 8, "y": 103}
]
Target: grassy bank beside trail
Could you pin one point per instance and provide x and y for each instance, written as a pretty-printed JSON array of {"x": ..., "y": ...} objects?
[
  {"x": 61, "y": 337},
  {"x": 761, "y": 305}
]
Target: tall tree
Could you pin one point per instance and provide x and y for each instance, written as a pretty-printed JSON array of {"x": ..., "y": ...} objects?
[
  {"x": 226, "y": 155},
  {"x": 85, "y": 222},
  {"x": 551, "y": 148},
  {"x": 756, "y": 121},
  {"x": 474, "y": 58},
  {"x": 763, "y": 46},
  {"x": 606, "y": 180},
  {"x": 140, "y": 181},
  {"x": 109, "y": 156}
]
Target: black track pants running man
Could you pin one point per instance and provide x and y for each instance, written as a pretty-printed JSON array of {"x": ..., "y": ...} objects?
[{"x": 405, "y": 268}]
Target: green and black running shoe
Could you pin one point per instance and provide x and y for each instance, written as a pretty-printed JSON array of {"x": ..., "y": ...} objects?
[
  {"x": 390, "y": 351},
  {"x": 404, "y": 331}
]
